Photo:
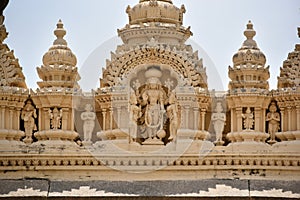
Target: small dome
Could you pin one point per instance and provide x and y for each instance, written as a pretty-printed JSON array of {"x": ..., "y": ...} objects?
[
  {"x": 60, "y": 53},
  {"x": 155, "y": 11},
  {"x": 249, "y": 53}
]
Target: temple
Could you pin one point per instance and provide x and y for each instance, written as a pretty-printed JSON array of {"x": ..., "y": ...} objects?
[{"x": 151, "y": 121}]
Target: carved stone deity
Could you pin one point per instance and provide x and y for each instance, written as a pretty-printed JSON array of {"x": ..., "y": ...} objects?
[
  {"x": 248, "y": 119},
  {"x": 273, "y": 119},
  {"x": 153, "y": 99},
  {"x": 134, "y": 115},
  {"x": 172, "y": 113},
  {"x": 218, "y": 118},
  {"x": 88, "y": 117},
  {"x": 28, "y": 115},
  {"x": 55, "y": 117}
]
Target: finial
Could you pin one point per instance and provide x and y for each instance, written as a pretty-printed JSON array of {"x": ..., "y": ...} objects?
[
  {"x": 168, "y": 1},
  {"x": 60, "y": 32},
  {"x": 249, "y": 32},
  {"x": 299, "y": 32}
]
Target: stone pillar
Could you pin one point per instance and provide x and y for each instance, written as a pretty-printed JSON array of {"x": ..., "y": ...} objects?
[
  {"x": 196, "y": 120},
  {"x": 119, "y": 117},
  {"x": 231, "y": 121},
  {"x": 298, "y": 117},
  {"x": 11, "y": 118},
  {"x": 104, "y": 119},
  {"x": 186, "y": 116},
  {"x": 47, "y": 119},
  {"x": 263, "y": 120},
  {"x": 2, "y": 122},
  {"x": 18, "y": 119},
  {"x": 289, "y": 119},
  {"x": 282, "y": 119},
  {"x": 257, "y": 115},
  {"x": 64, "y": 119},
  {"x": 239, "y": 119},
  {"x": 111, "y": 118},
  {"x": 202, "y": 119}
]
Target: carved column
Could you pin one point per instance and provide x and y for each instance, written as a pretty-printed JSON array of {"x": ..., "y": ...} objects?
[
  {"x": 231, "y": 120},
  {"x": 186, "y": 116},
  {"x": 111, "y": 118},
  {"x": 11, "y": 118},
  {"x": 298, "y": 117},
  {"x": 257, "y": 115},
  {"x": 64, "y": 119},
  {"x": 196, "y": 120},
  {"x": 104, "y": 119},
  {"x": 2, "y": 117},
  {"x": 239, "y": 119},
  {"x": 18, "y": 119},
  {"x": 263, "y": 120},
  {"x": 282, "y": 120},
  {"x": 47, "y": 119},
  {"x": 289, "y": 119},
  {"x": 202, "y": 119},
  {"x": 119, "y": 117}
]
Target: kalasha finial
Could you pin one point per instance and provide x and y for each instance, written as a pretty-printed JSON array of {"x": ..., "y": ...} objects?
[
  {"x": 299, "y": 32},
  {"x": 60, "y": 32},
  {"x": 249, "y": 32},
  {"x": 3, "y": 4}
]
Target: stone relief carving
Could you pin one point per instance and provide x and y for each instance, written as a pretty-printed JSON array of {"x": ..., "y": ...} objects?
[
  {"x": 273, "y": 119},
  {"x": 218, "y": 118},
  {"x": 55, "y": 117},
  {"x": 134, "y": 115},
  {"x": 172, "y": 113},
  {"x": 88, "y": 117},
  {"x": 29, "y": 115},
  {"x": 248, "y": 119}
]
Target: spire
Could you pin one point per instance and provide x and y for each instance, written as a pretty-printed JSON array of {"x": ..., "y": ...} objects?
[
  {"x": 60, "y": 32},
  {"x": 249, "y": 33},
  {"x": 59, "y": 63}
]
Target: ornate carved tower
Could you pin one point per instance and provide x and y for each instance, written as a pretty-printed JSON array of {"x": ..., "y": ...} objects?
[
  {"x": 54, "y": 97},
  {"x": 248, "y": 91}
]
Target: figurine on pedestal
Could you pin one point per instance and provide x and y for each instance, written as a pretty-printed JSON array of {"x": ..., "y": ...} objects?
[
  {"x": 172, "y": 113},
  {"x": 248, "y": 119},
  {"x": 55, "y": 117},
  {"x": 273, "y": 119},
  {"x": 88, "y": 117},
  {"x": 134, "y": 114},
  {"x": 28, "y": 115},
  {"x": 218, "y": 118}
]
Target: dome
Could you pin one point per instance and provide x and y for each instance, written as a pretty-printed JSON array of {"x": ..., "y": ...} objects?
[
  {"x": 59, "y": 53},
  {"x": 249, "y": 53},
  {"x": 155, "y": 11}
]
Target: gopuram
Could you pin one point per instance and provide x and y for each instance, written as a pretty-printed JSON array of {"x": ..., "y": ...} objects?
[{"x": 152, "y": 128}]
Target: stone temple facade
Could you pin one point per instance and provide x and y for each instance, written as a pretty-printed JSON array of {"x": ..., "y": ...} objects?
[{"x": 152, "y": 127}]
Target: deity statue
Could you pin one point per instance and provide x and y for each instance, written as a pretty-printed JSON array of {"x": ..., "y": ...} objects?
[
  {"x": 218, "y": 118},
  {"x": 88, "y": 117},
  {"x": 248, "y": 119},
  {"x": 28, "y": 115},
  {"x": 273, "y": 119},
  {"x": 172, "y": 113},
  {"x": 152, "y": 101},
  {"x": 55, "y": 117},
  {"x": 134, "y": 115}
]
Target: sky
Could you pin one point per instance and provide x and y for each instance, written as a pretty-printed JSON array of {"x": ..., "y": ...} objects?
[{"x": 91, "y": 25}]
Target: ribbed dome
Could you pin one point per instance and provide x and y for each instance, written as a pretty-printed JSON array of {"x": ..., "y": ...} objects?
[
  {"x": 155, "y": 11},
  {"x": 59, "y": 53},
  {"x": 249, "y": 53}
]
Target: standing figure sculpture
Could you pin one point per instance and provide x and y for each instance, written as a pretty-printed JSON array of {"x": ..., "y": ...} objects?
[
  {"x": 134, "y": 115},
  {"x": 153, "y": 98},
  {"x": 55, "y": 116},
  {"x": 88, "y": 117},
  {"x": 273, "y": 119},
  {"x": 28, "y": 115},
  {"x": 248, "y": 119},
  {"x": 172, "y": 113},
  {"x": 218, "y": 118}
]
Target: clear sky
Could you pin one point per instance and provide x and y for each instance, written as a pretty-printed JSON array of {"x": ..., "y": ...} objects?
[{"x": 92, "y": 25}]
